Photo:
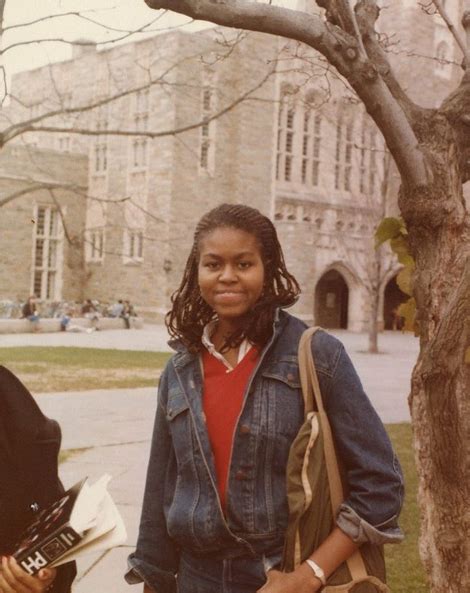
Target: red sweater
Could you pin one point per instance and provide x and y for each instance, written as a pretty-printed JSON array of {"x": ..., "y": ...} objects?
[{"x": 222, "y": 403}]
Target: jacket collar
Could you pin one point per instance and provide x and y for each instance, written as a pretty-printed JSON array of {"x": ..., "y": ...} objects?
[{"x": 183, "y": 357}]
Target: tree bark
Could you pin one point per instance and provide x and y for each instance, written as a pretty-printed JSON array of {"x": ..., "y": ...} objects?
[
  {"x": 439, "y": 233},
  {"x": 374, "y": 294}
]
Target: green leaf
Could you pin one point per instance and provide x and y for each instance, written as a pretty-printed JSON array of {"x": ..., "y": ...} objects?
[
  {"x": 399, "y": 246},
  {"x": 388, "y": 228},
  {"x": 407, "y": 310},
  {"x": 405, "y": 279}
]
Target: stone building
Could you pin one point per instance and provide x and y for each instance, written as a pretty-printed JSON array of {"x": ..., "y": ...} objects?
[
  {"x": 298, "y": 147},
  {"x": 39, "y": 255}
]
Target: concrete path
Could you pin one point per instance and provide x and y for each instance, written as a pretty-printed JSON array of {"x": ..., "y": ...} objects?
[{"x": 112, "y": 428}]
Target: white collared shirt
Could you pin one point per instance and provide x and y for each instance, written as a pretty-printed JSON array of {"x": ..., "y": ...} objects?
[{"x": 206, "y": 339}]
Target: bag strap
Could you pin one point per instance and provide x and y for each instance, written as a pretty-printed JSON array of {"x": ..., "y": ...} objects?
[
  {"x": 310, "y": 385},
  {"x": 311, "y": 391}
]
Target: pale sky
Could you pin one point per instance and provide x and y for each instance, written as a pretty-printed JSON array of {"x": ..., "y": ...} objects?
[{"x": 122, "y": 14}]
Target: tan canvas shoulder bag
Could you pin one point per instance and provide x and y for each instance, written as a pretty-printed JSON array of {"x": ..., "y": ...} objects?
[{"x": 315, "y": 492}]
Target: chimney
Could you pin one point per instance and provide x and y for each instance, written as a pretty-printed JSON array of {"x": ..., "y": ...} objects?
[{"x": 82, "y": 47}]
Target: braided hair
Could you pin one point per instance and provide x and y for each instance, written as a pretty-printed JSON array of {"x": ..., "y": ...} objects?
[{"x": 190, "y": 313}]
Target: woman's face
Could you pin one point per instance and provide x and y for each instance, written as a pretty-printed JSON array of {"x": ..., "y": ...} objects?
[{"x": 230, "y": 272}]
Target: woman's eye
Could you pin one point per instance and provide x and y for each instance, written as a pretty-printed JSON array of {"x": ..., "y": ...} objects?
[
  {"x": 244, "y": 265},
  {"x": 211, "y": 265}
]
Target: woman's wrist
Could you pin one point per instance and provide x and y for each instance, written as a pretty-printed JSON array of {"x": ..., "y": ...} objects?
[{"x": 309, "y": 578}]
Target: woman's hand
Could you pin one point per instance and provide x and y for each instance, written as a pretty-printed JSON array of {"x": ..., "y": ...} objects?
[
  {"x": 302, "y": 580},
  {"x": 14, "y": 579}
]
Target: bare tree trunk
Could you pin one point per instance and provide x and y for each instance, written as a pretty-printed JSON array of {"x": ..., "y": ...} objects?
[
  {"x": 374, "y": 296},
  {"x": 373, "y": 324},
  {"x": 440, "y": 405}
]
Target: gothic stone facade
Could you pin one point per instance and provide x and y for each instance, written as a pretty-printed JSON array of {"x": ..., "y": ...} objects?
[{"x": 312, "y": 162}]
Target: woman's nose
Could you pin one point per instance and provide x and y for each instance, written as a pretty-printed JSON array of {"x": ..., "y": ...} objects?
[{"x": 228, "y": 274}]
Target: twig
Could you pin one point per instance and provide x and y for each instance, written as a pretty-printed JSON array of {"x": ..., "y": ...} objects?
[{"x": 450, "y": 25}]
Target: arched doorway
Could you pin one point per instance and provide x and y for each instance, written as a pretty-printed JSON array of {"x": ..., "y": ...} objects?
[
  {"x": 393, "y": 297},
  {"x": 331, "y": 301}
]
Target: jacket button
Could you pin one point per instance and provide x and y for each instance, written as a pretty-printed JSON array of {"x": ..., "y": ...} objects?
[
  {"x": 290, "y": 377},
  {"x": 240, "y": 475},
  {"x": 244, "y": 429}
]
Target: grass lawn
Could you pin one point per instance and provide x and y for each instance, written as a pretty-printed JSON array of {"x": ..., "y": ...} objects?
[
  {"x": 404, "y": 569},
  {"x": 77, "y": 369}
]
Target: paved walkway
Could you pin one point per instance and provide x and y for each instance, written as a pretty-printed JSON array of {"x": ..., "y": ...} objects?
[{"x": 112, "y": 428}]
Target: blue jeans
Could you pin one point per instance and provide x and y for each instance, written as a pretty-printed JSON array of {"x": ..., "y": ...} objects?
[{"x": 232, "y": 575}]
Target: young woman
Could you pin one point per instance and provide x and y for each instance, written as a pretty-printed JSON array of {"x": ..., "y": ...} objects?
[{"x": 229, "y": 406}]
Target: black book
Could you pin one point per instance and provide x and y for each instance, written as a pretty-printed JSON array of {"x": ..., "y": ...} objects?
[{"x": 83, "y": 520}]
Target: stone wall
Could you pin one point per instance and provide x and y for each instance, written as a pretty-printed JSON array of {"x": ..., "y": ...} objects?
[{"x": 20, "y": 169}]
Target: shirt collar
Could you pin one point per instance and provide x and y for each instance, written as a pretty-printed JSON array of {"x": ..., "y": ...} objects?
[{"x": 208, "y": 344}]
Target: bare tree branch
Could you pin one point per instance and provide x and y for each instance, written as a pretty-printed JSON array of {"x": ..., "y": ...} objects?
[
  {"x": 37, "y": 186},
  {"x": 102, "y": 101},
  {"x": 141, "y": 133},
  {"x": 367, "y": 13},
  {"x": 69, "y": 238},
  {"x": 453, "y": 29},
  {"x": 340, "y": 49},
  {"x": 79, "y": 15}
]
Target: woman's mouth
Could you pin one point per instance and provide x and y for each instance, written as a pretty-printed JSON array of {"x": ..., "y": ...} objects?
[{"x": 228, "y": 296}]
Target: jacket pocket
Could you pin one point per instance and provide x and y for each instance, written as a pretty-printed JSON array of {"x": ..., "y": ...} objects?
[
  {"x": 283, "y": 399},
  {"x": 178, "y": 417}
]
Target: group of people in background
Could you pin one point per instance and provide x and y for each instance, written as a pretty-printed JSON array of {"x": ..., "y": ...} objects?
[{"x": 90, "y": 309}]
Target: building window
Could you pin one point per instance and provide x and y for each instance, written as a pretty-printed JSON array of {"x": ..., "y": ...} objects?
[
  {"x": 305, "y": 146},
  {"x": 289, "y": 145},
  {"x": 338, "y": 151},
  {"x": 139, "y": 144},
  {"x": 101, "y": 114},
  {"x": 47, "y": 255},
  {"x": 141, "y": 121},
  {"x": 373, "y": 162},
  {"x": 207, "y": 131},
  {"x": 207, "y": 100},
  {"x": 316, "y": 149},
  {"x": 348, "y": 157},
  {"x": 310, "y": 170},
  {"x": 63, "y": 143},
  {"x": 100, "y": 156},
  {"x": 135, "y": 244},
  {"x": 368, "y": 168},
  {"x": 343, "y": 155},
  {"x": 285, "y": 142},
  {"x": 34, "y": 110},
  {"x": 142, "y": 101},
  {"x": 362, "y": 158},
  {"x": 95, "y": 245},
  {"x": 100, "y": 148},
  {"x": 139, "y": 152}
]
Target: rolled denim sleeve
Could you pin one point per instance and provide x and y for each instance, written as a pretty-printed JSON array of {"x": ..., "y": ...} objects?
[
  {"x": 374, "y": 479},
  {"x": 156, "y": 557}
]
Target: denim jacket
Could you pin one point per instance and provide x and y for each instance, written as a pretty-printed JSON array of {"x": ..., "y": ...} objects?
[{"x": 181, "y": 508}]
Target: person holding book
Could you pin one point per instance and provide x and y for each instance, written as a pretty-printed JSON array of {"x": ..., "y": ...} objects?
[
  {"x": 29, "y": 483},
  {"x": 215, "y": 511},
  {"x": 14, "y": 579}
]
